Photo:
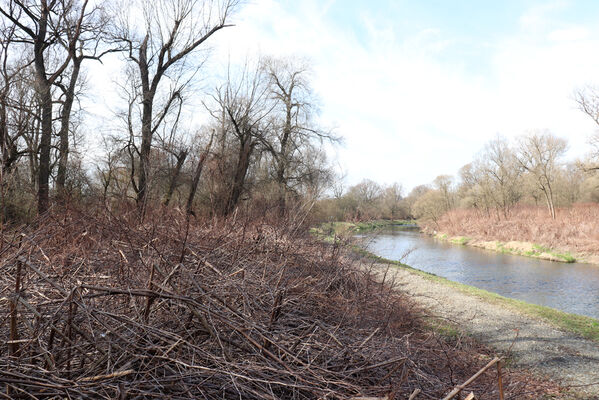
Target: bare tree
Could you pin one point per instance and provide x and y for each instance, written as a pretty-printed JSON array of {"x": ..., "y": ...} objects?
[
  {"x": 17, "y": 103},
  {"x": 588, "y": 102},
  {"x": 171, "y": 32},
  {"x": 539, "y": 154},
  {"x": 197, "y": 174},
  {"x": 498, "y": 162},
  {"x": 470, "y": 190},
  {"x": 295, "y": 128},
  {"x": 444, "y": 184},
  {"x": 242, "y": 110},
  {"x": 365, "y": 196},
  {"x": 429, "y": 206},
  {"x": 392, "y": 199},
  {"x": 170, "y": 141},
  {"x": 90, "y": 44}
]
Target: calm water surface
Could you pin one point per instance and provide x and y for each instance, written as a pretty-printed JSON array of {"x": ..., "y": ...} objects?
[{"x": 573, "y": 288}]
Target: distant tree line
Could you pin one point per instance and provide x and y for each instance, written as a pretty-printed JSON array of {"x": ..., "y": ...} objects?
[
  {"x": 366, "y": 200},
  {"x": 528, "y": 170},
  {"x": 262, "y": 141}
]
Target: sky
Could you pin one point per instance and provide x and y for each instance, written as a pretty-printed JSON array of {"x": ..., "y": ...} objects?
[{"x": 416, "y": 88}]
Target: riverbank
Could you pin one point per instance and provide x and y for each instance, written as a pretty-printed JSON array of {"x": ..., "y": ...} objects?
[
  {"x": 527, "y": 231},
  {"x": 340, "y": 229},
  {"x": 519, "y": 248},
  {"x": 541, "y": 339},
  {"x": 583, "y": 326},
  {"x": 99, "y": 305}
]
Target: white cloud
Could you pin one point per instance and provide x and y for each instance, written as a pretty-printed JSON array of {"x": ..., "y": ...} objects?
[{"x": 572, "y": 34}]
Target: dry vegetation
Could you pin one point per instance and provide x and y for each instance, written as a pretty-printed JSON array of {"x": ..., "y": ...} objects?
[
  {"x": 96, "y": 305},
  {"x": 574, "y": 228}
]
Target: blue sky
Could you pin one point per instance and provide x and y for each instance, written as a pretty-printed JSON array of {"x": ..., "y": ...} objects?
[{"x": 417, "y": 88}]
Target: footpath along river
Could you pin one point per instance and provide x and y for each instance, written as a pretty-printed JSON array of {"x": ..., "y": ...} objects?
[{"x": 572, "y": 288}]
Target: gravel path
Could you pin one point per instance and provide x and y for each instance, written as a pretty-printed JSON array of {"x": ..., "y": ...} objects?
[{"x": 532, "y": 343}]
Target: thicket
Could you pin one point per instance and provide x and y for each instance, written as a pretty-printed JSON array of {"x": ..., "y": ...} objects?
[
  {"x": 364, "y": 201},
  {"x": 97, "y": 304}
]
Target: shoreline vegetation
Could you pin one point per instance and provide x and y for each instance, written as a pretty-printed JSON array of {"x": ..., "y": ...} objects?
[
  {"x": 329, "y": 231},
  {"x": 527, "y": 231},
  {"x": 525, "y": 249},
  {"x": 586, "y": 327}
]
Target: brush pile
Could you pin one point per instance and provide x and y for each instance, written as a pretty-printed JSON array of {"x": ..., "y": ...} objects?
[{"x": 97, "y": 305}]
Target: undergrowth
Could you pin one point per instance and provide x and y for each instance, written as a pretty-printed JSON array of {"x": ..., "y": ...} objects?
[{"x": 96, "y": 304}]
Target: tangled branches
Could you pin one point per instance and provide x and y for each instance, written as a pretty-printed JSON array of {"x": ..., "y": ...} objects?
[{"x": 95, "y": 305}]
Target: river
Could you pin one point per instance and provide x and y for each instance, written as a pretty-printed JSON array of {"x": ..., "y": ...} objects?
[{"x": 573, "y": 288}]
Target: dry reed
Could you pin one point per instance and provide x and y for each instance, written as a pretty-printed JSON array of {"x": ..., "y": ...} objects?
[{"x": 575, "y": 228}]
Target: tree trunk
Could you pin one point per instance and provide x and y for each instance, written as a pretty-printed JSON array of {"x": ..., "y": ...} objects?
[
  {"x": 175, "y": 177},
  {"x": 196, "y": 176},
  {"x": 243, "y": 164},
  {"x": 282, "y": 188},
  {"x": 65, "y": 118},
  {"x": 146, "y": 125},
  {"x": 43, "y": 191},
  {"x": 549, "y": 202},
  {"x": 4, "y": 136},
  {"x": 144, "y": 153},
  {"x": 45, "y": 98}
]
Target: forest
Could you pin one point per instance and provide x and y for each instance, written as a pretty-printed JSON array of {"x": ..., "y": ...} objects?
[{"x": 262, "y": 139}]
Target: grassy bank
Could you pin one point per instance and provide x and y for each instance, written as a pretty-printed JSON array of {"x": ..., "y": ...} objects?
[
  {"x": 513, "y": 247},
  {"x": 584, "y": 326}
]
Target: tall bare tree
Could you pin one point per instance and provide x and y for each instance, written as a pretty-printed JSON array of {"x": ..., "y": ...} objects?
[
  {"x": 539, "y": 154},
  {"x": 90, "y": 44},
  {"x": 242, "y": 110},
  {"x": 499, "y": 164},
  {"x": 392, "y": 200},
  {"x": 588, "y": 102},
  {"x": 15, "y": 100},
  {"x": 295, "y": 126},
  {"x": 159, "y": 49},
  {"x": 197, "y": 174},
  {"x": 444, "y": 183}
]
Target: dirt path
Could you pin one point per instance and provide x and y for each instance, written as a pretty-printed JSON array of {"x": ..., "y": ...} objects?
[{"x": 531, "y": 343}]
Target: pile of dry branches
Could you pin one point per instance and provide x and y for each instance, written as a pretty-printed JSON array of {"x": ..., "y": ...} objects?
[{"x": 97, "y": 305}]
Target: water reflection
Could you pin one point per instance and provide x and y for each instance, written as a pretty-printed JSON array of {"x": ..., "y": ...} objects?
[{"x": 572, "y": 288}]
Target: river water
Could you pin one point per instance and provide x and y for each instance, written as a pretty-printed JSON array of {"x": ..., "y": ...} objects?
[{"x": 573, "y": 288}]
